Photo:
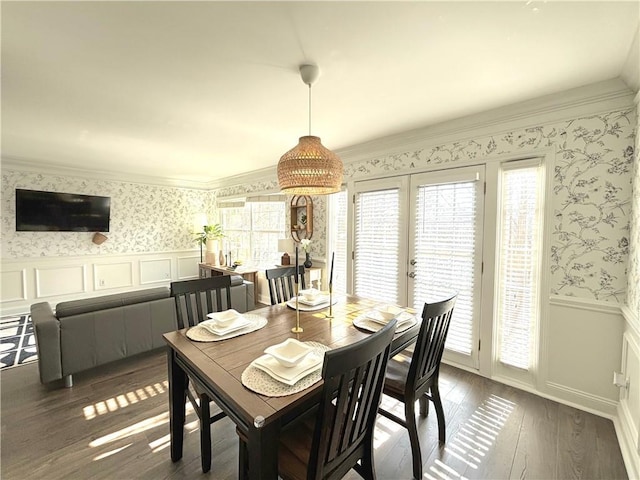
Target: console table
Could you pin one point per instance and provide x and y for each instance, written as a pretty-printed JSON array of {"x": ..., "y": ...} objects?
[{"x": 248, "y": 274}]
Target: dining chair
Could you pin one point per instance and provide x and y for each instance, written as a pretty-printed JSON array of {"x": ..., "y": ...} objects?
[
  {"x": 418, "y": 379},
  {"x": 194, "y": 300},
  {"x": 281, "y": 283},
  {"x": 337, "y": 435}
]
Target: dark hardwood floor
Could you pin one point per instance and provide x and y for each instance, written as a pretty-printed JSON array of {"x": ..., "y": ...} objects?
[{"x": 113, "y": 424}]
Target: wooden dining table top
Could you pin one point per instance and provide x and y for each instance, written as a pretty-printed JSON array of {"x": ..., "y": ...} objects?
[{"x": 219, "y": 365}]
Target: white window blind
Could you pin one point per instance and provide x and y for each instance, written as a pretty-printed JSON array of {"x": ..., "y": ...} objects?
[
  {"x": 377, "y": 245},
  {"x": 252, "y": 231},
  {"x": 339, "y": 241},
  {"x": 445, "y": 252},
  {"x": 518, "y": 271}
]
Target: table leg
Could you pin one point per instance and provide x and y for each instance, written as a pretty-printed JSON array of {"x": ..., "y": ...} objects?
[
  {"x": 263, "y": 450},
  {"x": 177, "y": 392}
]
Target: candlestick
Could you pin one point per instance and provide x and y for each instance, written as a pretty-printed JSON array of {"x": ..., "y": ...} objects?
[
  {"x": 296, "y": 274},
  {"x": 333, "y": 256},
  {"x": 297, "y": 328}
]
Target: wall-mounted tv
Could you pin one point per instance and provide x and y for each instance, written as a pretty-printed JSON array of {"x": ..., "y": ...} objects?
[{"x": 38, "y": 211}]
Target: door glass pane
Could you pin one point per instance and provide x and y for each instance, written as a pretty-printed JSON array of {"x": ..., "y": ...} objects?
[
  {"x": 518, "y": 265},
  {"x": 377, "y": 237},
  {"x": 445, "y": 253}
]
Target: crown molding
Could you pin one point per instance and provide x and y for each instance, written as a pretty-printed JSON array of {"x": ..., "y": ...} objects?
[
  {"x": 36, "y": 166},
  {"x": 596, "y": 98},
  {"x": 262, "y": 175},
  {"x": 577, "y": 102}
]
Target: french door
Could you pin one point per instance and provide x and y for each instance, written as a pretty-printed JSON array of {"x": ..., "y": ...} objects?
[{"x": 418, "y": 238}]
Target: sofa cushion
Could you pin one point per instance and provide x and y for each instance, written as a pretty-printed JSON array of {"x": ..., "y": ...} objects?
[{"x": 87, "y": 305}]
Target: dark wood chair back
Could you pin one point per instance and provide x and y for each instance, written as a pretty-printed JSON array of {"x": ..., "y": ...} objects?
[
  {"x": 282, "y": 284},
  {"x": 429, "y": 347},
  {"x": 419, "y": 380},
  {"x": 196, "y": 298},
  {"x": 353, "y": 379}
]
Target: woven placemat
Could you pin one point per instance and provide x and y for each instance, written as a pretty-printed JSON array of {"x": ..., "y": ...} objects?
[
  {"x": 200, "y": 334},
  {"x": 261, "y": 382}
]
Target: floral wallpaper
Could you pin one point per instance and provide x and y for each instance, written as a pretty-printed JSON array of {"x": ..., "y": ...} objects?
[
  {"x": 594, "y": 235},
  {"x": 144, "y": 218},
  {"x": 634, "y": 251},
  {"x": 591, "y": 194}
]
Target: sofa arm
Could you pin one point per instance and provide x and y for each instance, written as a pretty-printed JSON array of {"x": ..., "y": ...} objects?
[{"x": 47, "y": 330}]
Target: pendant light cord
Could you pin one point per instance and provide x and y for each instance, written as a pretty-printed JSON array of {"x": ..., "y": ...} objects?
[{"x": 309, "y": 109}]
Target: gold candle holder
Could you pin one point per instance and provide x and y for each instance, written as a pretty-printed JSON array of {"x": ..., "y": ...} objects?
[
  {"x": 297, "y": 328},
  {"x": 330, "y": 314}
]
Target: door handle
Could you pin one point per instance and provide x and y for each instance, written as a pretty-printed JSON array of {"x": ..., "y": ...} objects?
[
  {"x": 413, "y": 261},
  {"x": 411, "y": 274}
]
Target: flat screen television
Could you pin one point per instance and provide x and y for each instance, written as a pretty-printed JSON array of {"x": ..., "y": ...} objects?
[{"x": 38, "y": 211}]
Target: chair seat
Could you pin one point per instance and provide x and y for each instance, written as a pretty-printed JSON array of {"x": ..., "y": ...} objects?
[
  {"x": 295, "y": 449},
  {"x": 396, "y": 376}
]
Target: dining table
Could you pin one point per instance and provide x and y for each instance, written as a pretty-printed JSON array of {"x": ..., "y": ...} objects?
[{"x": 217, "y": 368}]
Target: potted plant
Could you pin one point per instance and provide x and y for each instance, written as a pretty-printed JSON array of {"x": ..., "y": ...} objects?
[{"x": 209, "y": 237}]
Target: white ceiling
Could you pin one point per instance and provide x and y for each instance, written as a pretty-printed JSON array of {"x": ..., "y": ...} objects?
[{"x": 195, "y": 91}]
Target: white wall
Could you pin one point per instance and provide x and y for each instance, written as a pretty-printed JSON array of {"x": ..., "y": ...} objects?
[{"x": 589, "y": 134}]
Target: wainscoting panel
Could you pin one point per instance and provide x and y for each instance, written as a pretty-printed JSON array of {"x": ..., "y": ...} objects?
[
  {"x": 188, "y": 267},
  {"x": 153, "y": 271},
  {"x": 628, "y": 422},
  {"x": 14, "y": 285},
  {"x": 60, "y": 280},
  {"x": 57, "y": 279},
  {"x": 584, "y": 349},
  {"x": 112, "y": 275}
]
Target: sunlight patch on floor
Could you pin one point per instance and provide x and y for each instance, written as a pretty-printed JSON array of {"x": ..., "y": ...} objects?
[
  {"x": 473, "y": 440},
  {"x": 110, "y": 452},
  {"x": 141, "y": 427},
  {"x": 124, "y": 400},
  {"x": 385, "y": 428}
]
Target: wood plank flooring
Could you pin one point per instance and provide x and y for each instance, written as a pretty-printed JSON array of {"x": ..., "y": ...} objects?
[{"x": 113, "y": 424}]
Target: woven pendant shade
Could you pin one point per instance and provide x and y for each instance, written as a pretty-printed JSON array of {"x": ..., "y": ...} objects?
[{"x": 310, "y": 169}]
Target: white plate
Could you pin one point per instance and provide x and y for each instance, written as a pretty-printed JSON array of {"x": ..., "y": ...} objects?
[
  {"x": 289, "y": 353},
  {"x": 365, "y": 323},
  {"x": 213, "y": 327},
  {"x": 379, "y": 316},
  {"x": 321, "y": 298},
  {"x": 303, "y": 307},
  {"x": 225, "y": 318},
  {"x": 288, "y": 375}
]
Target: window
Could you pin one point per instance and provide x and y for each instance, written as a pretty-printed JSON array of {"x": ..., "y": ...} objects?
[
  {"x": 446, "y": 243},
  {"x": 377, "y": 245},
  {"x": 518, "y": 262},
  {"x": 338, "y": 240},
  {"x": 252, "y": 231}
]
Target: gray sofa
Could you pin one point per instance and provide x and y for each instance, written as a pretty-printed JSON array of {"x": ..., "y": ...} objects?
[{"x": 83, "y": 334}]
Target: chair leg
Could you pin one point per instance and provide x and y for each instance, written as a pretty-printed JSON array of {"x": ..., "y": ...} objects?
[
  {"x": 424, "y": 405},
  {"x": 243, "y": 474},
  {"x": 437, "y": 403},
  {"x": 410, "y": 418},
  {"x": 367, "y": 467},
  {"x": 205, "y": 433}
]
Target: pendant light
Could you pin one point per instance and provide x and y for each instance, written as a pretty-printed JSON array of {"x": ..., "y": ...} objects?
[{"x": 309, "y": 168}]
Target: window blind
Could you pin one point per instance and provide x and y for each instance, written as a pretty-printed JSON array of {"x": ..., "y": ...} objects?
[
  {"x": 517, "y": 302},
  {"x": 445, "y": 251},
  {"x": 339, "y": 224},
  {"x": 252, "y": 231},
  {"x": 377, "y": 245}
]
